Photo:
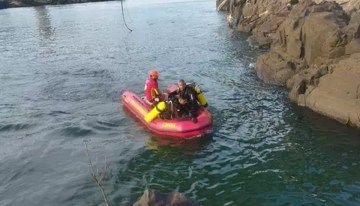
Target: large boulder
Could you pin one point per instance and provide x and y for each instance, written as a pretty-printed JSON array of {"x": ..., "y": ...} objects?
[
  {"x": 262, "y": 18},
  {"x": 259, "y": 17},
  {"x": 273, "y": 69},
  {"x": 314, "y": 50},
  {"x": 316, "y": 54},
  {"x": 333, "y": 91},
  {"x": 156, "y": 198},
  {"x": 349, "y": 6},
  {"x": 311, "y": 34}
]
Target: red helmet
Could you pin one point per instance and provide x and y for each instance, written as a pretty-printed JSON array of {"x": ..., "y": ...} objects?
[{"x": 154, "y": 73}]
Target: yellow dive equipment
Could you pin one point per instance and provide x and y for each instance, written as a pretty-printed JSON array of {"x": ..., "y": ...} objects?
[
  {"x": 160, "y": 107},
  {"x": 200, "y": 95}
]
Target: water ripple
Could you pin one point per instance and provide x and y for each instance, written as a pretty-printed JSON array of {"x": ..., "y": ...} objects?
[
  {"x": 62, "y": 88},
  {"x": 14, "y": 127}
]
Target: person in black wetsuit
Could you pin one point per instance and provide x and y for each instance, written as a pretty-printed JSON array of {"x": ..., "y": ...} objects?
[{"x": 186, "y": 101}]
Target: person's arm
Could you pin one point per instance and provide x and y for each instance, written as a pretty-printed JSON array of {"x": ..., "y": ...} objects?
[{"x": 174, "y": 94}]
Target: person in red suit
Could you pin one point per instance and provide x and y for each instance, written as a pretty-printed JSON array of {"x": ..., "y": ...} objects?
[{"x": 151, "y": 89}]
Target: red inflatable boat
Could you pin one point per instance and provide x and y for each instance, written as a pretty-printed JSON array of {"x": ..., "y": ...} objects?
[{"x": 168, "y": 127}]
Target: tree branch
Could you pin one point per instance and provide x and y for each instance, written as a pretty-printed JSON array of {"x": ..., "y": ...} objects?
[{"x": 96, "y": 178}]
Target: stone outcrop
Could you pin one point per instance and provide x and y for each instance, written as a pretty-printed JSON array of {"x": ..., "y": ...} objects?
[
  {"x": 262, "y": 18},
  {"x": 314, "y": 51},
  {"x": 316, "y": 55},
  {"x": 350, "y": 6},
  {"x": 156, "y": 198},
  {"x": 259, "y": 17},
  {"x": 311, "y": 34},
  {"x": 333, "y": 90}
]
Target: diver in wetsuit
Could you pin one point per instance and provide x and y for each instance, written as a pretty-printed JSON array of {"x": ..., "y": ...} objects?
[{"x": 187, "y": 102}]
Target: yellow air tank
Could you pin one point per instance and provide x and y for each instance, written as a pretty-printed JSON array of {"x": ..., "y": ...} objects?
[
  {"x": 200, "y": 95},
  {"x": 160, "y": 107}
]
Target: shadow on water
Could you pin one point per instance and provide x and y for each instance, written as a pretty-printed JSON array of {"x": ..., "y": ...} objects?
[
  {"x": 316, "y": 127},
  {"x": 173, "y": 146},
  {"x": 315, "y": 163}
]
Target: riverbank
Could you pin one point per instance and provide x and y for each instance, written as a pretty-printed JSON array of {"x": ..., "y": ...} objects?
[{"x": 314, "y": 50}]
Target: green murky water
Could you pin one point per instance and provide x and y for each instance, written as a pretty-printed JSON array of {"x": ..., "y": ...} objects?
[{"x": 63, "y": 68}]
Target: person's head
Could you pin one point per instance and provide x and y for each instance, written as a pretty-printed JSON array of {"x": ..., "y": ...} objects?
[
  {"x": 154, "y": 74},
  {"x": 181, "y": 84}
]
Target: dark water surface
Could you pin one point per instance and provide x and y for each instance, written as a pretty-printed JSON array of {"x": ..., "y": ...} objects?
[{"x": 63, "y": 68}]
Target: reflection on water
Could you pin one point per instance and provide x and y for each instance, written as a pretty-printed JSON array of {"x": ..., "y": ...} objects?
[
  {"x": 45, "y": 29},
  {"x": 176, "y": 146}
]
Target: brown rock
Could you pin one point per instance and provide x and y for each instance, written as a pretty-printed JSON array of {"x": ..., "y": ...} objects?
[
  {"x": 349, "y": 6},
  {"x": 321, "y": 32},
  {"x": 226, "y": 6},
  {"x": 305, "y": 81},
  {"x": 269, "y": 24},
  {"x": 272, "y": 69},
  {"x": 260, "y": 40},
  {"x": 338, "y": 94},
  {"x": 353, "y": 47},
  {"x": 317, "y": 55},
  {"x": 315, "y": 51},
  {"x": 311, "y": 35},
  {"x": 262, "y": 18},
  {"x": 156, "y": 198},
  {"x": 332, "y": 91},
  {"x": 355, "y": 18}
]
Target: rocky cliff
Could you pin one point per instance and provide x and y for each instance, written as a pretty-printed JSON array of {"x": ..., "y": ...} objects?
[
  {"x": 314, "y": 50},
  {"x": 262, "y": 18}
]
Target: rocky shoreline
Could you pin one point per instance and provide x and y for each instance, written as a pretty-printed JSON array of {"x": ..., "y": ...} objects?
[{"x": 314, "y": 50}]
